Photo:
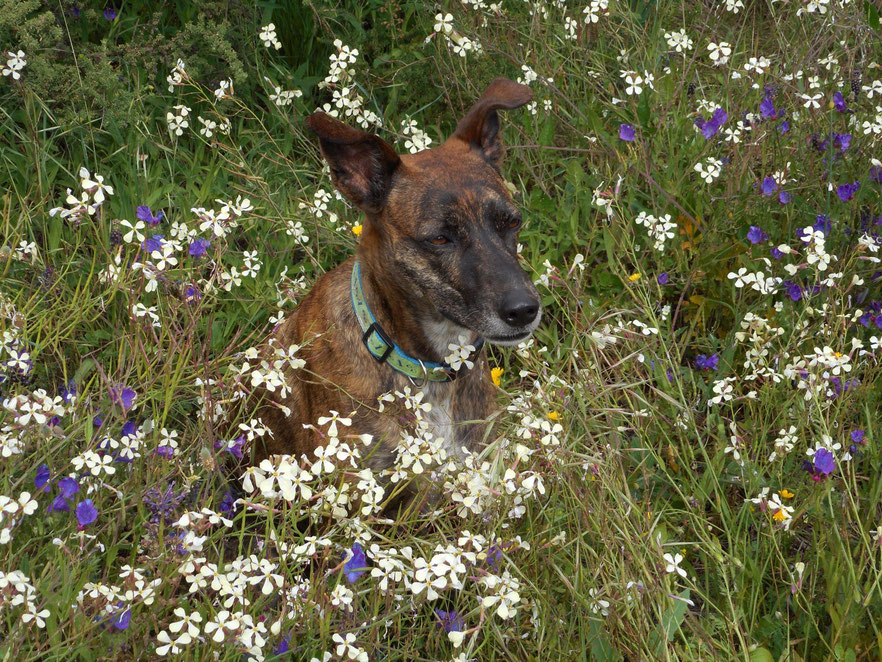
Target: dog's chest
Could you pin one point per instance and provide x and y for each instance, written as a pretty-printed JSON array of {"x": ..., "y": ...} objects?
[{"x": 440, "y": 417}]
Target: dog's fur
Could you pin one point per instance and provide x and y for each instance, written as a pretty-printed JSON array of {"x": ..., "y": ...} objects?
[{"x": 438, "y": 256}]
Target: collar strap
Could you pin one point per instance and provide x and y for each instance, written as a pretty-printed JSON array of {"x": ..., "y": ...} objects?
[{"x": 384, "y": 350}]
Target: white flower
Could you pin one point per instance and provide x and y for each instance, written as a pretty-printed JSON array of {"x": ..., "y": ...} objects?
[
  {"x": 14, "y": 64},
  {"x": 719, "y": 53},
  {"x": 459, "y": 354},
  {"x": 208, "y": 126},
  {"x": 673, "y": 564},
  {"x": 333, "y": 419},
  {"x": 679, "y": 40},
  {"x": 443, "y": 23},
  {"x": 224, "y": 89},
  {"x": 178, "y": 121},
  {"x": 811, "y": 101},
  {"x": 634, "y": 82},
  {"x": 268, "y": 36},
  {"x": 96, "y": 187},
  {"x": 709, "y": 170}
]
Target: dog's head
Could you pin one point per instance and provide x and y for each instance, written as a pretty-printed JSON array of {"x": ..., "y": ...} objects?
[{"x": 441, "y": 223}]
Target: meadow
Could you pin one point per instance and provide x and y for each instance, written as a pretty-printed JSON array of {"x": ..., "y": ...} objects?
[{"x": 686, "y": 464}]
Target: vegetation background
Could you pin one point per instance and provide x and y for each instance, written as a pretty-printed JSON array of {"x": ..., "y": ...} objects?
[{"x": 689, "y": 466}]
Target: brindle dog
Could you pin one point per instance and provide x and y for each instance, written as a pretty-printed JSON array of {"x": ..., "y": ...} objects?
[{"x": 438, "y": 260}]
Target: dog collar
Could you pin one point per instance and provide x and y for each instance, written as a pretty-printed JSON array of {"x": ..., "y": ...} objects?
[{"x": 384, "y": 350}]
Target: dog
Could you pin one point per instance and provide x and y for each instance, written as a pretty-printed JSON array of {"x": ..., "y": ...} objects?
[{"x": 436, "y": 265}]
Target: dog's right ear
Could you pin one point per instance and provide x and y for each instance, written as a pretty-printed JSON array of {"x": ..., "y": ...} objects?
[{"x": 362, "y": 164}]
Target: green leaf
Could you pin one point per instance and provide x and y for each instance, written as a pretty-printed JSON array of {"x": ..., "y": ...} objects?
[
  {"x": 546, "y": 134},
  {"x": 673, "y": 617},
  {"x": 761, "y": 655},
  {"x": 872, "y": 15},
  {"x": 643, "y": 111},
  {"x": 602, "y": 649}
]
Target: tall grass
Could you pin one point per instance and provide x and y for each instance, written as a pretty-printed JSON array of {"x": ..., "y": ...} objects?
[{"x": 630, "y": 508}]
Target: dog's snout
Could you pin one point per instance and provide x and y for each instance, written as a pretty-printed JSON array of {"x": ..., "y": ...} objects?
[{"x": 518, "y": 309}]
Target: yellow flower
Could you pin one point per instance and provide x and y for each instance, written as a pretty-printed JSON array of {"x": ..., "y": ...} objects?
[
  {"x": 356, "y": 230},
  {"x": 780, "y": 515},
  {"x": 786, "y": 494},
  {"x": 553, "y": 415},
  {"x": 634, "y": 276},
  {"x": 495, "y": 374}
]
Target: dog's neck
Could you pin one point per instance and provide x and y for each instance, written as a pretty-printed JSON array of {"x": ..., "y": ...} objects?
[{"x": 409, "y": 320}]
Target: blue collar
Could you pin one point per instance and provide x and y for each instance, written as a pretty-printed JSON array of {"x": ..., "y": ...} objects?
[{"x": 384, "y": 350}]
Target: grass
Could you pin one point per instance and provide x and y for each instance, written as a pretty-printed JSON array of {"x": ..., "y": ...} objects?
[{"x": 780, "y": 557}]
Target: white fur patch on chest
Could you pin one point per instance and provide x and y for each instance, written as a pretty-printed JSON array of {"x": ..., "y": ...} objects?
[{"x": 439, "y": 418}]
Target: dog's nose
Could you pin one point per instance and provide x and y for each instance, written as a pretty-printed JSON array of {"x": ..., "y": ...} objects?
[{"x": 518, "y": 309}]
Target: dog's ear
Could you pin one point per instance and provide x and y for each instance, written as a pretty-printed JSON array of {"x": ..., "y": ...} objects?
[
  {"x": 361, "y": 163},
  {"x": 480, "y": 126}
]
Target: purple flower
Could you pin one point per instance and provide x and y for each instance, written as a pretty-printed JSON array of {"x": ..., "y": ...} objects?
[
  {"x": 110, "y": 14},
  {"x": 857, "y": 436},
  {"x": 356, "y": 566},
  {"x": 67, "y": 487},
  {"x": 198, "y": 247},
  {"x": 162, "y": 505},
  {"x": 283, "y": 647},
  {"x": 703, "y": 362},
  {"x": 784, "y": 127},
  {"x": 710, "y": 127},
  {"x": 97, "y": 421},
  {"x": 166, "y": 452},
  {"x": 494, "y": 552},
  {"x": 124, "y": 396},
  {"x": 41, "y": 482},
  {"x": 228, "y": 503},
  {"x": 153, "y": 243},
  {"x": 756, "y": 235},
  {"x": 784, "y": 197},
  {"x": 192, "y": 294},
  {"x": 839, "y": 102},
  {"x": 145, "y": 214},
  {"x": 663, "y": 278},
  {"x": 794, "y": 291},
  {"x": 768, "y": 186},
  {"x": 129, "y": 429},
  {"x": 234, "y": 446},
  {"x": 451, "y": 621},
  {"x": 69, "y": 391},
  {"x": 767, "y": 108},
  {"x": 122, "y": 618},
  {"x": 823, "y": 462},
  {"x": 876, "y": 174},
  {"x": 86, "y": 513},
  {"x": 776, "y": 253},
  {"x": 822, "y": 224},
  {"x": 842, "y": 141},
  {"x": 626, "y": 132},
  {"x": 846, "y": 191}
]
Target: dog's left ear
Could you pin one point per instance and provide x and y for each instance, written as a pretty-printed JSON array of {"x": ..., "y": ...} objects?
[
  {"x": 362, "y": 164},
  {"x": 480, "y": 126}
]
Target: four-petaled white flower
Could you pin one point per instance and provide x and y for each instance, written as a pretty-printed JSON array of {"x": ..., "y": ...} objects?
[
  {"x": 673, "y": 564},
  {"x": 719, "y": 53},
  {"x": 333, "y": 419}
]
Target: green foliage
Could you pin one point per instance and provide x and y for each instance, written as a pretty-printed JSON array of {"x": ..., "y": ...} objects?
[{"x": 644, "y": 465}]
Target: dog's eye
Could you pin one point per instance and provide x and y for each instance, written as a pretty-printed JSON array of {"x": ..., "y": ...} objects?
[
  {"x": 440, "y": 240},
  {"x": 514, "y": 222}
]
